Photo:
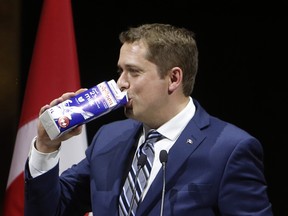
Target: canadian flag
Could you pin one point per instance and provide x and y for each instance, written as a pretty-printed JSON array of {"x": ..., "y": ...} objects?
[{"x": 53, "y": 71}]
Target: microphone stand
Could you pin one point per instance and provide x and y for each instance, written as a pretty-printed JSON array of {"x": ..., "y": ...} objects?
[{"x": 163, "y": 160}]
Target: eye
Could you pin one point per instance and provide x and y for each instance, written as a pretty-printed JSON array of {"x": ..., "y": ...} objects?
[
  {"x": 134, "y": 72},
  {"x": 119, "y": 71}
]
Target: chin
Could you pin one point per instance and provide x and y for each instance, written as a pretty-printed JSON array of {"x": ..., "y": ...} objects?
[{"x": 128, "y": 112}]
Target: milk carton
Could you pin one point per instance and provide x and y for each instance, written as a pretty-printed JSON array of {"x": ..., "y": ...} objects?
[{"x": 84, "y": 107}]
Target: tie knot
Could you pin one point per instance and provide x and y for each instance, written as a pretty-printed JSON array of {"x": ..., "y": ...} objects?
[{"x": 153, "y": 136}]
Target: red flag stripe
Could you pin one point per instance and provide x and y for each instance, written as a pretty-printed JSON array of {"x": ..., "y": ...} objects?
[
  {"x": 15, "y": 188},
  {"x": 53, "y": 71}
]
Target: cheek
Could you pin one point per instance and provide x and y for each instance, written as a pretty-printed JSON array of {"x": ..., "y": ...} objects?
[
  {"x": 152, "y": 96},
  {"x": 149, "y": 89}
]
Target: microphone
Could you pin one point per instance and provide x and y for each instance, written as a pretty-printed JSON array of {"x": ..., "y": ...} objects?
[
  {"x": 141, "y": 162},
  {"x": 163, "y": 159}
]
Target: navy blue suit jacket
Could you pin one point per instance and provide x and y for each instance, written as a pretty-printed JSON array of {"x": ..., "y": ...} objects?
[{"x": 219, "y": 173}]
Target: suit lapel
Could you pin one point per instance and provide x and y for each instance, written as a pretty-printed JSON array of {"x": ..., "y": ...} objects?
[{"x": 185, "y": 145}]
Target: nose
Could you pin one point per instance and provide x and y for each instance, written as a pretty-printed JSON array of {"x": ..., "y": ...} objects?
[{"x": 122, "y": 82}]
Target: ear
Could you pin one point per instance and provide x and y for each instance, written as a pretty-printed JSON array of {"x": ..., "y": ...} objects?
[{"x": 175, "y": 79}]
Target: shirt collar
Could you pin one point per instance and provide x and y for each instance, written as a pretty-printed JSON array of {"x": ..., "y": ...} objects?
[{"x": 174, "y": 126}]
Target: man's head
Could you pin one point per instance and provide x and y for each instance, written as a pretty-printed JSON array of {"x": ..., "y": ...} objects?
[
  {"x": 168, "y": 47},
  {"x": 157, "y": 66}
]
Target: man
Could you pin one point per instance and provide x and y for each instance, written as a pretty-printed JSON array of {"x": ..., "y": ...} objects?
[{"x": 213, "y": 167}]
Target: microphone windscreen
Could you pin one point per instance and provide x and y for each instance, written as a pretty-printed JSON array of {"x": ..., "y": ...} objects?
[
  {"x": 142, "y": 160},
  {"x": 163, "y": 156}
]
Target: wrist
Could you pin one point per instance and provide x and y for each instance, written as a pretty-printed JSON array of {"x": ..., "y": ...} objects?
[{"x": 45, "y": 148}]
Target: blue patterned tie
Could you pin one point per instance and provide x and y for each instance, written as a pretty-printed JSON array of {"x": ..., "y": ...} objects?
[{"x": 142, "y": 175}]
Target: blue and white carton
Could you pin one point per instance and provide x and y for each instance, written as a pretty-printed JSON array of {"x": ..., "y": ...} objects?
[{"x": 84, "y": 107}]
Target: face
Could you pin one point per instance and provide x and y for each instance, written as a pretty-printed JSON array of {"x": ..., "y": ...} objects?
[{"x": 147, "y": 92}]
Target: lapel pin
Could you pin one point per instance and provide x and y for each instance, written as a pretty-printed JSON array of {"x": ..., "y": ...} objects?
[{"x": 189, "y": 141}]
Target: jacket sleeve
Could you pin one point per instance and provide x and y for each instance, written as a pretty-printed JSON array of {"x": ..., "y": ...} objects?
[
  {"x": 243, "y": 189},
  {"x": 50, "y": 194}
]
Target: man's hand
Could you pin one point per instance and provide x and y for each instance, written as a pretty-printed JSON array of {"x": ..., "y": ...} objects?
[{"x": 43, "y": 142}]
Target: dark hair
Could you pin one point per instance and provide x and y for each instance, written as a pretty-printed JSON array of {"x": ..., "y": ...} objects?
[{"x": 168, "y": 46}]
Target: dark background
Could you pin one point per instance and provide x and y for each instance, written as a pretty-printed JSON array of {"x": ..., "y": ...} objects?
[{"x": 241, "y": 79}]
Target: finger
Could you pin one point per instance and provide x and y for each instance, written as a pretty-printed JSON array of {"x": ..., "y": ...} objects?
[
  {"x": 80, "y": 90},
  {"x": 74, "y": 132},
  {"x": 44, "y": 108},
  {"x": 62, "y": 98},
  {"x": 78, "y": 130},
  {"x": 56, "y": 101},
  {"x": 67, "y": 95}
]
